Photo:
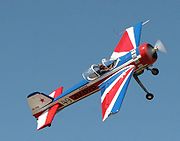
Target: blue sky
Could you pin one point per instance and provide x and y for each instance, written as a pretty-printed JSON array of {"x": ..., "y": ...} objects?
[{"x": 45, "y": 44}]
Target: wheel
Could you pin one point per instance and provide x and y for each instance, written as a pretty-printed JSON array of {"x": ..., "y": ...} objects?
[
  {"x": 155, "y": 71},
  {"x": 149, "y": 96}
]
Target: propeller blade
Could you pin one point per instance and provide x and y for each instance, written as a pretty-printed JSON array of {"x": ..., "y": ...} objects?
[{"x": 160, "y": 47}]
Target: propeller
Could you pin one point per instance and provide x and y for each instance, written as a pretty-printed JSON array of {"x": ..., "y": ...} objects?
[{"x": 160, "y": 47}]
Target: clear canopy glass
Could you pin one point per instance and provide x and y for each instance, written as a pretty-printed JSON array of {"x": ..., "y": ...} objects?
[
  {"x": 109, "y": 63},
  {"x": 92, "y": 73},
  {"x": 95, "y": 71}
]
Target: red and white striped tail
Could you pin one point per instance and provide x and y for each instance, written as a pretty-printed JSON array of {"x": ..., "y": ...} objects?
[{"x": 37, "y": 101}]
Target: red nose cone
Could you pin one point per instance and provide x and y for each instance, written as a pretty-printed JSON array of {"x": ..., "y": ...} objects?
[{"x": 148, "y": 55}]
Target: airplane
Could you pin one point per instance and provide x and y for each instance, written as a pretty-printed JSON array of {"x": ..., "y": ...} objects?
[{"x": 111, "y": 77}]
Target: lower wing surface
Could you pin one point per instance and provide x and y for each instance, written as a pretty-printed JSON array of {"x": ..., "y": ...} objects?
[{"x": 113, "y": 91}]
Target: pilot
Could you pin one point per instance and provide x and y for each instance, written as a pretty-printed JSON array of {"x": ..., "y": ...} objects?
[{"x": 104, "y": 69}]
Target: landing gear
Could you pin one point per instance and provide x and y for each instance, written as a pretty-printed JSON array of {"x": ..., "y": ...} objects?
[
  {"x": 149, "y": 96},
  {"x": 154, "y": 71}
]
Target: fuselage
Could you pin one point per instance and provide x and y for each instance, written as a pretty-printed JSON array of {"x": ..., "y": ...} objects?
[{"x": 141, "y": 58}]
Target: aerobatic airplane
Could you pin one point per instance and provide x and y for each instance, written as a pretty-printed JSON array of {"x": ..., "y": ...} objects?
[{"x": 111, "y": 77}]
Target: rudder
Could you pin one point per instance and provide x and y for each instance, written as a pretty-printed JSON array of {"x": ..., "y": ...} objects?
[{"x": 38, "y": 100}]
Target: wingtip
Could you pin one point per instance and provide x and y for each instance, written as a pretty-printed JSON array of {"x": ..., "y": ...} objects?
[
  {"x": 104, "y": 118},
  {"x": 145, "y": 22}
]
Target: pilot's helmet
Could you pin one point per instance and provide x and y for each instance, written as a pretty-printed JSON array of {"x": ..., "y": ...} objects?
[{"x": 108, "y": 62}]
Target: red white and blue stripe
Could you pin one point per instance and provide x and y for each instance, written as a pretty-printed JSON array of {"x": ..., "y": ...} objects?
[
  {"x": 113, "y": 91},
  {"x": 130, "y": 40},
  {"x": 47, "y": 116}
]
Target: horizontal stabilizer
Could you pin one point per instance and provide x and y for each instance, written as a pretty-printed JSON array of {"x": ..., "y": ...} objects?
[
  {"x": 46, "y": 118},
  {"x": 39, "y": 100}
]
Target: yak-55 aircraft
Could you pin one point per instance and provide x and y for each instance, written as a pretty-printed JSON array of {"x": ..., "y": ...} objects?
[{"x": 111, "y": 77}]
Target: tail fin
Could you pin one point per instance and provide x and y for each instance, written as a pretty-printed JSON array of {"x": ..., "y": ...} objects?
[
  {"x": 38, "y": 100},
  {"x": 44, "y": 118}
]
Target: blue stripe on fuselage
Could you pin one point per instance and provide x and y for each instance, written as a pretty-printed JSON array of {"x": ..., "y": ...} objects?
[{"x": 75, "y": 87}]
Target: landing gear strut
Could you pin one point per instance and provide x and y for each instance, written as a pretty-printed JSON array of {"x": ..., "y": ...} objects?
[{"x": 149, "y": 96}]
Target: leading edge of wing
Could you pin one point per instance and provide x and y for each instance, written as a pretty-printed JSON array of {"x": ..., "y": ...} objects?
[{"x": 113, "y": 91}]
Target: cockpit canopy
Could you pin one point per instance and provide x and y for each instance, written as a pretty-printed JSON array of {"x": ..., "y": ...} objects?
[
  {"x": 109, "y": 63},
  {"x": 92, "y": 73},
  {"x": 95, "y": 71}
]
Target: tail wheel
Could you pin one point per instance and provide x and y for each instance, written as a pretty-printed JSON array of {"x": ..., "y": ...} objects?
[{"x": 149, "y": 96}]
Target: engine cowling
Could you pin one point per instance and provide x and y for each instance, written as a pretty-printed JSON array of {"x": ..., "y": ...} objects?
[
  {"x": 148, "y": 57},
  {"x": 148, "y": 54}
]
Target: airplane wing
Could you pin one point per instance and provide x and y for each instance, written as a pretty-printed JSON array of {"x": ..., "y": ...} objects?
[
  {"x": 129, "y": 40},
  {"x": 113, "y": 91}
]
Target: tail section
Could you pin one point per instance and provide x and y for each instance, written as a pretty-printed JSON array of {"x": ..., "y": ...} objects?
[
  {"x": 37, "y": 101},
  {"x": 47, "y": 117}
]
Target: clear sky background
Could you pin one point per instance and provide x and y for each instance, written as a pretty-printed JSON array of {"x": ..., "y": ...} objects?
[{"x": 45, "y": 44}]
